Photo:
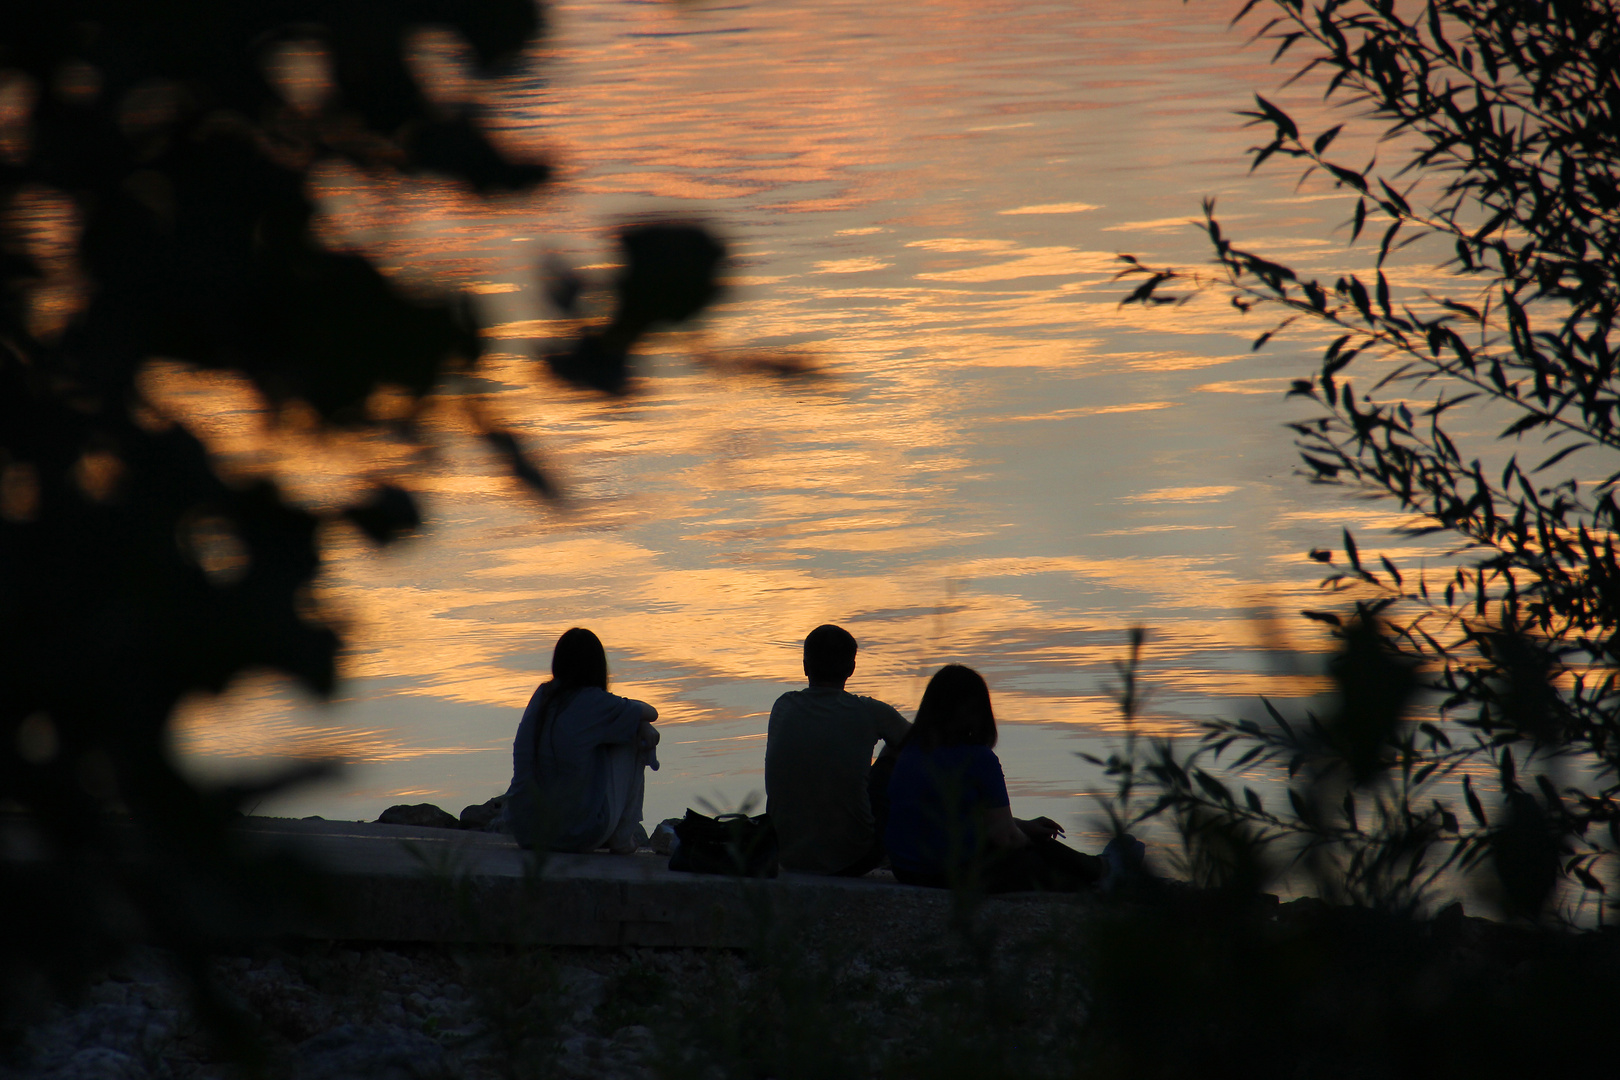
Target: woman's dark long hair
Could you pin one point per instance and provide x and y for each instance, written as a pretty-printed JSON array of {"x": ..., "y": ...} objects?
[
  {"x": 955, "y": 711},
  {"x": 578, "y": 661}
]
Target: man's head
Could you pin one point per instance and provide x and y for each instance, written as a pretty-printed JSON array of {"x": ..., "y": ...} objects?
[{"x": 829, "y": 656}]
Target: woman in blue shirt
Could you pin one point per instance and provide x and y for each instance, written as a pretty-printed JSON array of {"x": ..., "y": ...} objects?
[{"x": 950, "y": 820}]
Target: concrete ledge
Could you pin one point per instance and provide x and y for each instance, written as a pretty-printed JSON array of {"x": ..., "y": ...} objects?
[{"x": 397, "y": 883}]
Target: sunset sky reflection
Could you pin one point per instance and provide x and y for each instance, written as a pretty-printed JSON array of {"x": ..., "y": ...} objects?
[{"x": 990, "y": 461}]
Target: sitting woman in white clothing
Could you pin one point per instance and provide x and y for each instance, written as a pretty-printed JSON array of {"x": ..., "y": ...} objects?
[{"x": 579, "y": 757}]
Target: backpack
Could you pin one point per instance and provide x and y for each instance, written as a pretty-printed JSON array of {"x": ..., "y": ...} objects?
[{"x": 733, "y": 844}]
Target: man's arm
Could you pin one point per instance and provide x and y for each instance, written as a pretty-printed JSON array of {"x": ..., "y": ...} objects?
[
  {"x": 892, "y": 729},
  {"x": 773, "y": 747}
]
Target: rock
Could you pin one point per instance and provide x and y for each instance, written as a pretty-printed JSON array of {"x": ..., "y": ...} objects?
[
  {"x": 420, "y": 815},
  {"x": 100, "y": 1063},
  {"x": 636, "y": 1038},
  {"x": 664, "y": 841},
  {"x": 582, "y": 988},
  {"x": 384, "y": 1052},
  {"x": 485, "y": 817},
  {"x": 109, "y": 993},
  {"x": 576, "y": 1054},
  {"x": 124, "y": 1029}
]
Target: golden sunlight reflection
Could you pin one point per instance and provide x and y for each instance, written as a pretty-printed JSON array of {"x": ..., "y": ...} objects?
[
  {"x": 921, "y": 411},
  {"x": 1051, "y": 208}
]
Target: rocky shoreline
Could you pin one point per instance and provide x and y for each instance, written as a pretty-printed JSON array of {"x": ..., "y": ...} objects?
[
  {"x": 333, "y": 1012},
  {"x": 995, "y": 990},
  {"x": 346, "y": 1011},
  {"x": 480, "y": 817}
]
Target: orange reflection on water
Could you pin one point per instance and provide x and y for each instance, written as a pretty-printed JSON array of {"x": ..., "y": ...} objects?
[{"x": 993, "y": 462}]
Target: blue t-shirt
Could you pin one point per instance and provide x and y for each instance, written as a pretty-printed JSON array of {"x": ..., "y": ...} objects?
[{"x": 937, "y": 800}]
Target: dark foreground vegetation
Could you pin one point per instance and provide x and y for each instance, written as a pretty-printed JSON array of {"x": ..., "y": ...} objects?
[
  {"x": 1472, "y": 742},
  {"x": 155, "y": 158},
  {"x": 1170, "y": 985}
]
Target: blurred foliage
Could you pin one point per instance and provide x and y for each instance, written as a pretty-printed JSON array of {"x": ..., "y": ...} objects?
[
  {"x": 132, "y": 572},
  {"x": 1186, "y": 987},
  {"x": 1508, "y": 114},
  {"x": 1361, "y": 822},
  {"x": 1206, "y": 972}
]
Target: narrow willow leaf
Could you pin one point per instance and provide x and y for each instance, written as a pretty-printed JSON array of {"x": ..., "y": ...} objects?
[
  {"x": 1560, "y": 456},
  {"x": 1389, "y": 566},
  {"x": 1284, "y": 124},
  {"x": 1474, "y": 806}
]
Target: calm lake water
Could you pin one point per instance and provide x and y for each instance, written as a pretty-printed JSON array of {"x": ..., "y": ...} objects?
[{"x": 991, "y": 461}]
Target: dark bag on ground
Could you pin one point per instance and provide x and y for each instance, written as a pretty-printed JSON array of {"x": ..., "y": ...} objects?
[{"x": 733, "y": 844}]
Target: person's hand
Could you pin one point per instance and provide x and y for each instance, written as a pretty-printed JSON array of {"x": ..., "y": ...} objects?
[
  {"x": 649, "y": 734},
  {"x": 1041, "y": 828}
]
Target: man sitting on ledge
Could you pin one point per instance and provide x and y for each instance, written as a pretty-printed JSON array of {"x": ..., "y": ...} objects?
[{"x": 823, "y": 793}]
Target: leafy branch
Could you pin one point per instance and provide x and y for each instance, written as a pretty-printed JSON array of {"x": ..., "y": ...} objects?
[{"x": 1511, "y": 113}]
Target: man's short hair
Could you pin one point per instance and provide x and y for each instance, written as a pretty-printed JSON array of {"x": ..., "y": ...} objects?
[{"x": 829, "y": 653}]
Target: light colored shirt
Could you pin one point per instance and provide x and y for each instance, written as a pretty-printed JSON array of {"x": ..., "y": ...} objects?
[
  {"x": 818, "y": 754},
  {"x": 560, "y": 767}
]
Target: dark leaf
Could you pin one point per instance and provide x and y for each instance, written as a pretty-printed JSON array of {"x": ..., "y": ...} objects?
[
  {"x": 1525, "y": 423},
  {"x": 1390, "y": 567},
  {"x": 522, "y": 464},
  {"x": 1322, "y": 468},
  {"x": 1144, "y": 291},
  {"x": 456, "y": 146},
  {"x": 593, "y": 362},
  {"x": 671, "y": 273},
  {"x": 1213, "y": 787},
  {"x": 1285, "y": 126},
  {"x": 1326, "y": 138},
  {"x": 1560, "y": 456},
  {"x": 388, "y": 513},
  {"x": 1474, "y": 806}
]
